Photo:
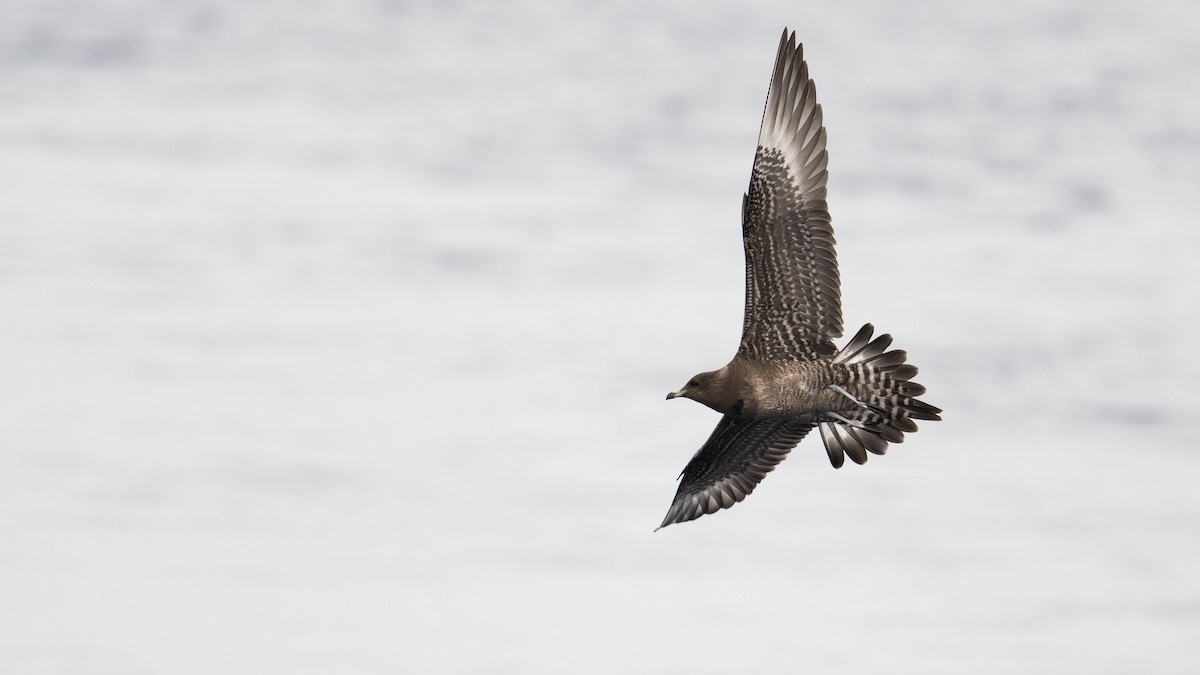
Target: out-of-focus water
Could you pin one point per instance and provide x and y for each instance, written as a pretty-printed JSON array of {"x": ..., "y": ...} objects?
[{"x": 335, "y": 338}]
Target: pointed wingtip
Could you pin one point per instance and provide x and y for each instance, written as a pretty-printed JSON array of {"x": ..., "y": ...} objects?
[
  {"x": 793, "y": 45},
  {"x": 669, "y": 518}
]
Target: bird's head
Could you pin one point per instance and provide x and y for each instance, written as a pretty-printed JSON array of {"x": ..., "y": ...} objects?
[{"x": 707, "y": 388}]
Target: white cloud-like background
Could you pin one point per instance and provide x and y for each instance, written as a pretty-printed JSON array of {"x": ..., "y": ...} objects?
[{"x": 336, "y": 337}]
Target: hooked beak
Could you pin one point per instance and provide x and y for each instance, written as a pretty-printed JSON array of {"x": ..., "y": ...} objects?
[{"x": 674, "y": 394}]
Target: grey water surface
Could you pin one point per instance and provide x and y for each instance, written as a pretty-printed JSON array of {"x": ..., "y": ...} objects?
[{"x": 336, "y": 334}]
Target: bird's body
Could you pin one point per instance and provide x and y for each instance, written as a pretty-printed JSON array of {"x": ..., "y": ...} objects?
[
  {"x": 788, "y": 376},
  {"x": 746, "y": 388}
]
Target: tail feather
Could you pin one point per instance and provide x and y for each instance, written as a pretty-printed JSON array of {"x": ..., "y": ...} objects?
[
  {"x": 881, "y": 380},
  {"x": 904, "y": 372},
  {"x": 890, "y": 433},
  {"x": 860, "y": 346},
  {"x": 923, "y": 411},
  {"x": 841, "y": 440},
  {"x": 890, "y": 359}
]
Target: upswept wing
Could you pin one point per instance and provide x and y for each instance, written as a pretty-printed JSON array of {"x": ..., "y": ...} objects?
[
  {"x": 793, "y": 296},
  {"x": 738, "y": 455}
]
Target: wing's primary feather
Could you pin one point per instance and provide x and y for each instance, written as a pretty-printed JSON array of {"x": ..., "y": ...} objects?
[
  {"x": 738, "y": 455},
  {"x": 793, "y": 296}
]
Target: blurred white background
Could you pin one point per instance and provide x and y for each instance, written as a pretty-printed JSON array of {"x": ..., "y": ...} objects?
[{"x": 336, "y": 334}]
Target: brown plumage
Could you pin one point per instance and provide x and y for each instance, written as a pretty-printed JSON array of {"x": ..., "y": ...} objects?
[{"x": 788, "y": 376}]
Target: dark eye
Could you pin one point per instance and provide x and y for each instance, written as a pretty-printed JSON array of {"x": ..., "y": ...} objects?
[{"x": 694, "y": 383}]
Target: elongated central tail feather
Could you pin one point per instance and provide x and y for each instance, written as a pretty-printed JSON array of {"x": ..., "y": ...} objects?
[{"x": 881, "y": 382}]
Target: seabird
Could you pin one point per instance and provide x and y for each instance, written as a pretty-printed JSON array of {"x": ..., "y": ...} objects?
[{"x": 788, "y": 376}]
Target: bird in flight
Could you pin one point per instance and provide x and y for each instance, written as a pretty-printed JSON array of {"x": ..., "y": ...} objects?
[{"x": 787, "y": 376}]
